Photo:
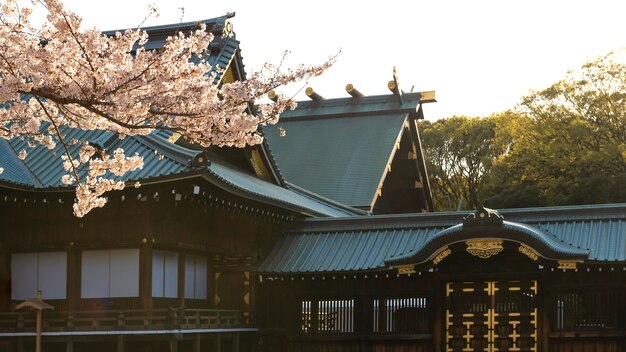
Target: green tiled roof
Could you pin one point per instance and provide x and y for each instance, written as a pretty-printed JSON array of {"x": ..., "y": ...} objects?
[
  {"x": 42, "y": 170},
  {"x": 339, "y": 148},
  {"x": 366, "y": 243}
]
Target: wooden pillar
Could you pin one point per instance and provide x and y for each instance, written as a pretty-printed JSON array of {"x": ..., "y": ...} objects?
[
  {"x": 439, "y": 311},
  {"x": 20, "y": 344},
  {"x": 5, "y": 277},
  {"x": 145, "y": 273},
  {"x": 173, "y": 344},
  {"x": 236, "y": 342},
  {"x": 120, "y": 343},
  {"x": 181, "y": 278},
  {"x": 69, "y": 344},
  {"x": 218, "y": 343},
  {"x": 74, "y": 269},
  {"x": 196, "y": 343},
  {"x": 543, "y": 310}
]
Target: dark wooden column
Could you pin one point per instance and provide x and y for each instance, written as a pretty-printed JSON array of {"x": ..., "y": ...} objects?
[
  {"x": 145, "y": 274},
  {"x": 120, "y": 343},
  {"x": 543, "y": 312},
  {"x": 74, "y": 269},
  {"x": 439, "y": 312},
  {"x": 5, "y": 277},
  {"x": 181, "y": 278}
]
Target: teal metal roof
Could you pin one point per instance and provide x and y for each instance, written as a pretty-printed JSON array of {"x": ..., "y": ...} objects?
[
  {"x": 222, "y": 50},
  {"x": 365, "y": 243},
  {"x": 339, "y": 148},
  {"x": 42, "y": 170}
]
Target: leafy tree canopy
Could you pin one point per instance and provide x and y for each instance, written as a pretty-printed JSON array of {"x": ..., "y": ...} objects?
[{"x": 562, "y": 145}]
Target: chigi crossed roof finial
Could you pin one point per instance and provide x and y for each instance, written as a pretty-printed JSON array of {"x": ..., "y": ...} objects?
[{"x": 483, "y": 216}]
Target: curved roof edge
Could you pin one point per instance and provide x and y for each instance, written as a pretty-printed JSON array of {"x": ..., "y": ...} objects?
[{"x": 546, "y": 244}]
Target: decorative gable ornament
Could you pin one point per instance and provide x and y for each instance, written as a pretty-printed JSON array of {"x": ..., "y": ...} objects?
[
  {"x": 484, "y": 248},
  {"x": 483, "y": 216}
]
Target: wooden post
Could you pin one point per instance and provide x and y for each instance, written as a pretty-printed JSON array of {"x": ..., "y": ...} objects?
[
  {"x": 173, "y": 343},
  {"x": 218, "y": 343},
  {"x": 145, "y": 274},
  {"x": 73, "y": 278},
  {"x": 196, "y": 343},
  {"x": 38, "y": 333},
  {"x": 181, "y": 278},
  {"x": 69, "y": 344},
  {"x": 439, "y": 311},
  {"x": 236, "y": 342},
  {"x": 120, "y": 343},
  {"x": 5, "y": 274}
]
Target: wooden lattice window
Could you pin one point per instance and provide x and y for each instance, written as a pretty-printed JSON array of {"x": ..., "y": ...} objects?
[
  {"x": 406, "y": 315},
  {"x": 333, "y": 316},
  {"x": 591, "y": 309}
]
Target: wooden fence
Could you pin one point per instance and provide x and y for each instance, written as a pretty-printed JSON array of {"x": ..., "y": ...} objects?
[{"x": 156, "y": 319}]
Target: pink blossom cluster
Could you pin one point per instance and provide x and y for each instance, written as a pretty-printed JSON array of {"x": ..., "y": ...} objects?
[{"x": 68, "y": 77}]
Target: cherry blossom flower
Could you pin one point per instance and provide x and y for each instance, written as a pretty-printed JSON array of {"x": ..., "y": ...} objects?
[{"x": 59, "y": 75}]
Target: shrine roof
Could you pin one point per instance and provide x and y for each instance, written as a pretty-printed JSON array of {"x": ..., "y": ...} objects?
[
  {"x": 369, "y": 243},
  {"x": 340, "y": 148}
]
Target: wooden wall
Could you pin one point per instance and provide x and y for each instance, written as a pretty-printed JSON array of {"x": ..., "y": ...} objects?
[{"x": 187, "y": 217}]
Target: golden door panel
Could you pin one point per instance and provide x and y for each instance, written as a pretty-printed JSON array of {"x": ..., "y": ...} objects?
[{"x": 491, "y": 316}]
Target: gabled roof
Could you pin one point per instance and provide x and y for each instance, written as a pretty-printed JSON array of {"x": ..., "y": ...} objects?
[
  {"x": 223, "y": 49},
  {"x": 372, "y": 243},
  {"x": 42, "y": 170},
  {"x": 343, "y": 148}
]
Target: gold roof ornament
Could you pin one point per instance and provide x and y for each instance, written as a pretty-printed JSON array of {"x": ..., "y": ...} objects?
[
  {"x": 568, "y": 264},
  {"x": 441, "y": 255},
  {"x": 529, "y": 252},
  {"x": 484, "y": 248},
  {"x": 406, "y": 269}
]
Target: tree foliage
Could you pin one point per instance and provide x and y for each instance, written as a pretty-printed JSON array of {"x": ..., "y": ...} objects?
[
  {"x": 562, "y": 145},
  {"x": 459, "y": 150},
  {"x": 572, "y": 149},
  {"x": 58, "y": 75}
]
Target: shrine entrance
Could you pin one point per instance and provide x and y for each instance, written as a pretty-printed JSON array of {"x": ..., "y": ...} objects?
[{"x": 491, "y": 316}]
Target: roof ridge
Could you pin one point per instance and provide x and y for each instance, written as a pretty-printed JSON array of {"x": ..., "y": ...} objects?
[{"x": 173, "y": 151}]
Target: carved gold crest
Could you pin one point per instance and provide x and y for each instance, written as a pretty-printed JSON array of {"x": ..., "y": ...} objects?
[
  {"x": 529, "y": 252},
  {"x": 441, "y": 255},
  {"x": 567, "y": 264},
  {"x": 406, "y": 269},
  {"x": 484, "y": 248}
]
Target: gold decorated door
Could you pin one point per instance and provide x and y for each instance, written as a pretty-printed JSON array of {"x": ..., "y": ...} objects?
[{"x": 491, "y": 316}]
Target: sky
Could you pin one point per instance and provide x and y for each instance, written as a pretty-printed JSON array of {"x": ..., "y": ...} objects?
[{"x": 479, "y": 56}]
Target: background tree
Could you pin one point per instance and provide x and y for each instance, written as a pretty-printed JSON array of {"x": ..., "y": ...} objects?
[
  {"x": 459, "y": 150},
  {"x": 571, "y": 148},
  {"x": 58, "y": 75}
]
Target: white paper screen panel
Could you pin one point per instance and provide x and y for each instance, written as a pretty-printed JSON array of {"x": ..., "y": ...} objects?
[
  {"x": 201, "y": 276},
  {"x": 190, "y": 273},
  {"x": 124, "y": 275},
  {"x": 53, "y": 275},
  {"x": 110, "y": 273},
  {"x": 32, "y": 272},
  {"x": 23, "y": 276},
  {"x": 171, "y": 275},
  {"x": 164, "y": 274},
  {"x": 158, "y": 263},
  {"x": 95, "y": 274}
]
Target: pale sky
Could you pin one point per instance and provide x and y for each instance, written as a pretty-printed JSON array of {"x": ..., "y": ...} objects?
[{"x": 479, "y": 56}]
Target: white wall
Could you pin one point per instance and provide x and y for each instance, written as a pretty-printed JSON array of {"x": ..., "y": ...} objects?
[{"x": 32, "y": 272}]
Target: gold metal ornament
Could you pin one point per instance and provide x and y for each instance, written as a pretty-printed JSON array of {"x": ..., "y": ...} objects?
[
  {"x": 484, "y": 249},
  {"x": 441, "y": 255},
  {"x": 406, "y": 269},
  {"x": 529, "y": 252}
]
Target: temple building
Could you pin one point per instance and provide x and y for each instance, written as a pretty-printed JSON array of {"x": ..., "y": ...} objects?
[{"x": 323, "y": 240}]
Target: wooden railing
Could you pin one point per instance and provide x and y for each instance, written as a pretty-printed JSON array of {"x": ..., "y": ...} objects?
[{"x": 156, "y": 319}]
